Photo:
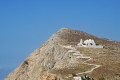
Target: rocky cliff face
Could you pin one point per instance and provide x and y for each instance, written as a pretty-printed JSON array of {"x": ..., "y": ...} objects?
[{"x": 52, "y": 61}]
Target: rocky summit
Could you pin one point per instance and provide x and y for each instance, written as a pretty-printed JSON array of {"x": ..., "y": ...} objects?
[{"x": 60, "y": 58}]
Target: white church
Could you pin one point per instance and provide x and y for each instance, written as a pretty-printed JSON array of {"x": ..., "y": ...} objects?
[{"x": 88, "y": 43}]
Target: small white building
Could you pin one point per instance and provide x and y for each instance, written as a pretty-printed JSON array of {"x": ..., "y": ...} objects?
[
  {"x": 89, "y": 43},
  {"x": 77, "y": 78}
]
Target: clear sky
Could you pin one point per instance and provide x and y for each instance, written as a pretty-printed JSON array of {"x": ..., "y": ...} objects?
[{"x": 26, "y": 24}]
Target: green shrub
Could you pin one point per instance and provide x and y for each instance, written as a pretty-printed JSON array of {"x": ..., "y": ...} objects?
[
  {"x": 73, "y": 74},
  {"x": 101, "y": 78}
]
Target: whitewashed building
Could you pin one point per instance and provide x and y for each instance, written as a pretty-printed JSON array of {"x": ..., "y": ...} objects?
[{"x": 89, "y": 43}]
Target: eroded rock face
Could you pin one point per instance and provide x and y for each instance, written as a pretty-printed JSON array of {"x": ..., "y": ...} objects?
[{"x": 53, "y": 62}]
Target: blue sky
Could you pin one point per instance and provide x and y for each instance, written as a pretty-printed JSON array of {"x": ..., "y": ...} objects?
[{"x": 26, "y": 24}]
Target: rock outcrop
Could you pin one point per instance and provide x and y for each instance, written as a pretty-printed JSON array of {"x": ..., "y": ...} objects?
[{"x": 52, "y": 61}]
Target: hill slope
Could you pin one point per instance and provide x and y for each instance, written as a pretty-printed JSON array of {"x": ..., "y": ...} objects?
[{"x": 54, "y": 61}]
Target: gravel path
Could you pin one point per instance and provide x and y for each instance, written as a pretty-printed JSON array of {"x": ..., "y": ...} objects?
[{"x": 79, "y": 55}]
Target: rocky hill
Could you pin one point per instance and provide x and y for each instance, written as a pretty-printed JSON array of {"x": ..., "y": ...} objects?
[{"x": 56, "y": 59}]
